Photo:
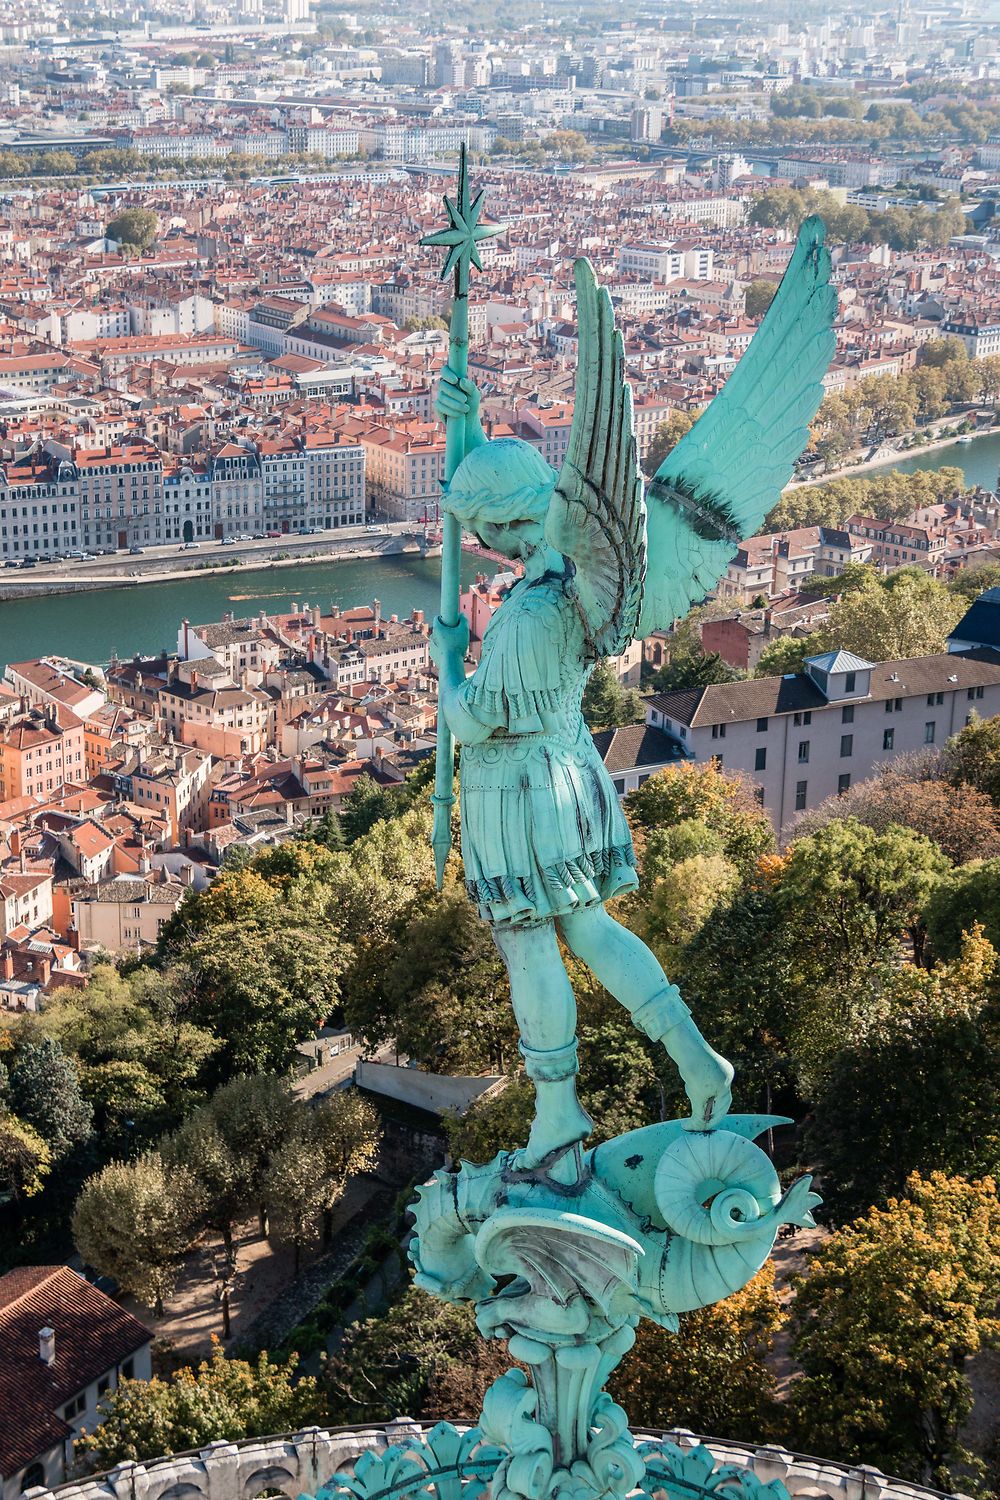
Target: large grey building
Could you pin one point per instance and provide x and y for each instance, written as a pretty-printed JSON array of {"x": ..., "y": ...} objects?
[{"x": 809, "y": 735}]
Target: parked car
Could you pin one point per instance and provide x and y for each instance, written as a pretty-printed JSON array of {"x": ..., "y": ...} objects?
[
  {"x": 272, "y": 533},
  {"x": 136, "y": 551},
  {"x": 190, "y": 546}
]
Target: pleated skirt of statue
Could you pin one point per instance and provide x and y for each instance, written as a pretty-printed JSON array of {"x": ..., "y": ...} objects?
[{"x": 542, "y": 831}]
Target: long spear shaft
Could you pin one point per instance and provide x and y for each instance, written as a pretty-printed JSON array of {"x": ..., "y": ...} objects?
[
  {"x": 451, "y": 566},
  {"x": 461, "y": 238}
]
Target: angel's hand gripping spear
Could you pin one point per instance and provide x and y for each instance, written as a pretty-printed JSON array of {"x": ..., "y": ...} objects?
[{"x": 544, "y": 840}]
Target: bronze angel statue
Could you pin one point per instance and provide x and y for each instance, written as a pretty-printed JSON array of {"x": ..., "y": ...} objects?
[{"x": 605, "y": 560}]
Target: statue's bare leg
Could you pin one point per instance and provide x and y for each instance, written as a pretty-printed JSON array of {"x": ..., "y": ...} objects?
[
  {"x": 545, "y": 1009},
  {"x": 626, "y": 967}
]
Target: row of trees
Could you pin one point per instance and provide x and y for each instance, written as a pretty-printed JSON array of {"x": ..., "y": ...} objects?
[
  {"x": 927, "y": 227},
  {"x": 946, "y": 380},
  {"x": 253, "y": 1148},
  {"x": 963, "y": 119}
]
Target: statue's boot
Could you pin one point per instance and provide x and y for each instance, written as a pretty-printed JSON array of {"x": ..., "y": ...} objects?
[
  {"x": 560, "y": 1122},
  {"x": 666, "y": 1019}
]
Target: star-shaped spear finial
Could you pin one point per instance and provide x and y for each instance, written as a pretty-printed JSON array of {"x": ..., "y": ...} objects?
[{"x": 464, "y": 231}]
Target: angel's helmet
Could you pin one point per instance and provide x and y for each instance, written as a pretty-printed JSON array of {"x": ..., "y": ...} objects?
[{"x": 501, "y": 486}]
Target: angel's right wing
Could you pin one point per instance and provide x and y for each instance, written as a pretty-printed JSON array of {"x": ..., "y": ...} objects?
[{"x": 717, "y": 485}]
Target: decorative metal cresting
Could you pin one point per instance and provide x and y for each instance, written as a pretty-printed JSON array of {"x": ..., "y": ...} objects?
[
  {"x": 563, "y": 1249},
  {"x": 447, "y": 1464}
]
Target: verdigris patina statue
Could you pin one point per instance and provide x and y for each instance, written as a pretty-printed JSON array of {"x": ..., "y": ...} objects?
[{"x": 564, "y": 1249}]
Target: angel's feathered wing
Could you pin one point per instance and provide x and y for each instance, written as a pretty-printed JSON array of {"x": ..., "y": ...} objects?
[
  {"x": 597, "y": 516},
  {"x": 717, "y": 485}
]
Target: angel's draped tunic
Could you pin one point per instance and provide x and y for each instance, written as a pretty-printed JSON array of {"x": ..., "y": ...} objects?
[{"x": 542, "y": 831}]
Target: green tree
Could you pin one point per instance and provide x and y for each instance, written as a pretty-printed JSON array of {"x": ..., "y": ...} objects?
[
  {"x": 917, "y": 1086},
  {"x": 853, "y": 892},
  {"x": 309, "y": 1170},
  {"x": 713, "y": 1375},
  {"x": 724, "y": 803},
  {"x": 136, "y": 226},
  {"x": 263, "y": 989},
  {"x": 254, "y": 1116},
  {"x": 222, "y": 1398},
  {"x": 606, "y": 703},
  {"x": 391, "y": 1363},
  {"x": 966, "y": 895},
  {"x": 909, "y": 614},
  {"x": 969, "y": 583},
  {"x": 739, "y": 977},
  {"x": 43, "y": 1090},
  {"x": 133, "y": 1221},
  {"x": 666, "y": 437},
  {"x": 884, "y": 1321},
  {"x": 937, "y": 354},
  {"x": 368, "y": 803},
  {"x": 440, "y": 989},
  {"x": 759, "y": 296},
  {"x": 972, "y": 757},
  {"x": 25, "y": 1159},
  {"x": 787, "y": 654},
  {"x": 141, "y": 1060}
]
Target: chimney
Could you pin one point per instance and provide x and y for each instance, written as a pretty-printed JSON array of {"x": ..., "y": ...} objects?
[
  {"x": 7, "y": 964},
  {"x": 43, "y": 968},
  {"x": 47, "y": 1346}
]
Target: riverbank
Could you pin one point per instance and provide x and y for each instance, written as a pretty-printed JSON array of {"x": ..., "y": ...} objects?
[
  {"x": 39, "y": 582},
  {"x": 892, "y": 460}
]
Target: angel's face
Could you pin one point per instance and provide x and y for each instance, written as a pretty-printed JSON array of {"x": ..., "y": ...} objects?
[{"x": 513, "y": 539}]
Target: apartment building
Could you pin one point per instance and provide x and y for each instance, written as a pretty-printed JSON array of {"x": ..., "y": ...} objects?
[
  {"x": 203, "y": 706},
  {"x": 895, "y": 544},
  {"x": 405, "y": 464},
  {"x": 809, "y": 735},
  {"x": 127, "y": 494},
  {"x": 173, "y": 781},
  {"x": 39, "y": 751},
  {"x": 125, "y": 914},
  {"x": 771, "y": 565}
]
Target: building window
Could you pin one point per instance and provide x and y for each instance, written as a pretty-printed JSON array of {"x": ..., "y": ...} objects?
[
  {"x": 888, "y": 736},
  {"x": 801, "y": 788},
  {"x": 846, "y": 745},
  {"x": 761, "y": 726},
  {"x": 799, "y": 719},
  {"x": 843, "y": 782},
  {"x": 847, "y": 714},
  {"x": 33, "y": 1477},
  {"x": 934, "y": 698},
  {"x": 128, "y": 1369},
  {"x": 718, "y": 731},
  {"x": 760, "y": 759},
  {"x": 803, "y": 752},
  {"x": 850, "y": 682},
  {"x": 929, "y": 732}
]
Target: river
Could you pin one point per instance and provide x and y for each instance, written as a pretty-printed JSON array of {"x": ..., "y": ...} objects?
[{"x": 90, "y": 627}]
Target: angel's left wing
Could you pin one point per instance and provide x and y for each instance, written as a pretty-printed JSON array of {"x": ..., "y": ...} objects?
[
  {"x": 597, "y": 516},
  {"x": 717, "y": 485}
]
